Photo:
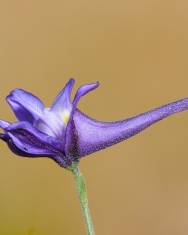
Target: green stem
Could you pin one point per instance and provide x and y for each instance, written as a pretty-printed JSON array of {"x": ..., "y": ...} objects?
[{"x": 82, "y": 194}]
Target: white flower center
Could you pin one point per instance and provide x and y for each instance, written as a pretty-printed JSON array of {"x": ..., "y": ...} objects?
[{"x": 52, "y": 123}]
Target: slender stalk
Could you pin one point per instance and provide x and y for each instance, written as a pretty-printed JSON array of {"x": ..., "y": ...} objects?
[{"x": 82, "y": 194}]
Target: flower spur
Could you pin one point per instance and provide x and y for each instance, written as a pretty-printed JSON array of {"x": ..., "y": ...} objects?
[{"x": 65, "y": 134}]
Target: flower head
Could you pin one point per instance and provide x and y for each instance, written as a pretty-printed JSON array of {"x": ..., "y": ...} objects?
[{"x": 63, "y": 133}]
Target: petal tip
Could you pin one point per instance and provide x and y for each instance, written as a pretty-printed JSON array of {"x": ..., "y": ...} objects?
[
  {"x": 11, "y": 93},
  {"x": 4, "y": 125},
  {"x": 71, "y": 80}
]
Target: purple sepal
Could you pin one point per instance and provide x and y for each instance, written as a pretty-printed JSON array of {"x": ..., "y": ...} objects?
[
  {"x": 25, "y": 140},
  {"x": 26, "y": 106}
]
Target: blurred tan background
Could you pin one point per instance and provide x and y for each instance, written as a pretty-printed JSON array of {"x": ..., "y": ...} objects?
[{"x": 138, "y": 50}]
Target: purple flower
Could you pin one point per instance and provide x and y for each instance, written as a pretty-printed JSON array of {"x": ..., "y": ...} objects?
[{"x": 63, "y": 133}]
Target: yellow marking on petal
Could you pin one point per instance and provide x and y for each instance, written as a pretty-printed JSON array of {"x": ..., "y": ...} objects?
[{"x": 65, "y": 115}]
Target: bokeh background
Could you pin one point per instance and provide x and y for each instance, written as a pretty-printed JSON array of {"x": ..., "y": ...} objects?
[{"x": 138, "y": 50}]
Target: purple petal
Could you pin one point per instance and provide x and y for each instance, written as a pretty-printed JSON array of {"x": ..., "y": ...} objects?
[
  {"x": 91, "y": 135},
  {"x": 23, "y": 143},
  {"x": 83, "y": 90},
  {"x": 24, "y": 127},
  {"x": 63, "y": 101},
  {"x": 25, "y": 140},
  {"x": 21, "y": 113},
  {"x": 25, "y": 105}
]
